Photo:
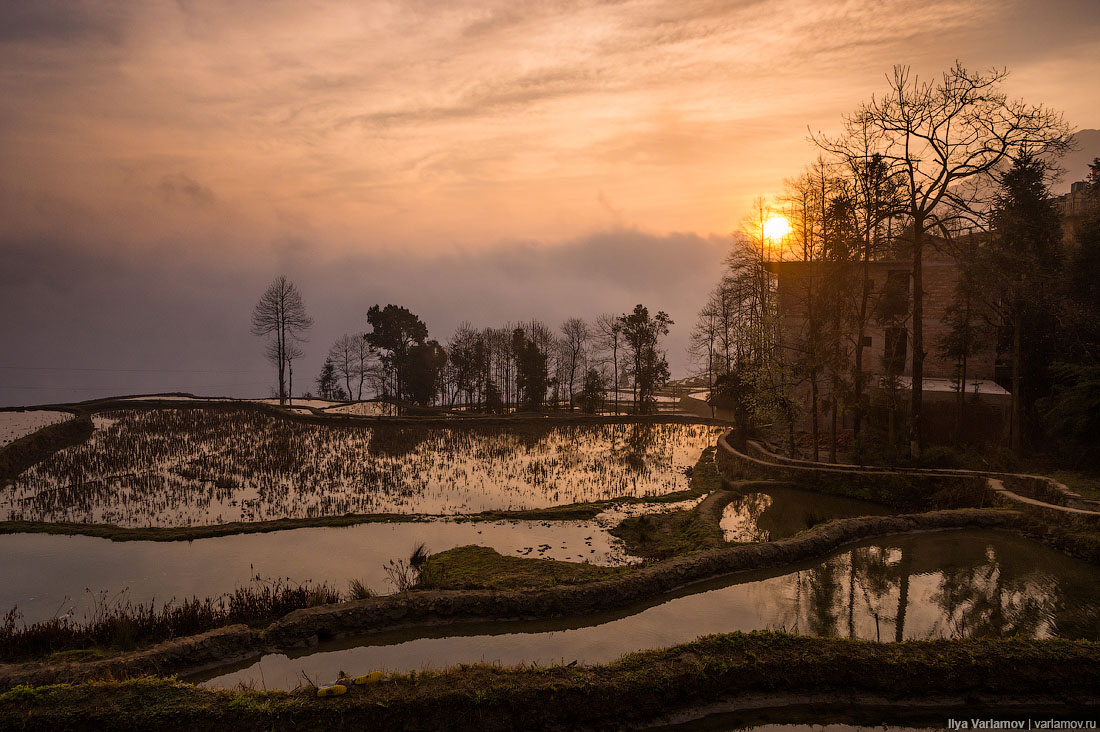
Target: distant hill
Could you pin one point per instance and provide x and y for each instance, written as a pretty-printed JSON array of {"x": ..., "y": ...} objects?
[{"x": 1076, "y": 162}]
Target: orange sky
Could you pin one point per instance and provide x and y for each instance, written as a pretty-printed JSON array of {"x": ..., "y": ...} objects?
[
  {"x": 410, "y": 147},
  {"x": 424, "y": 125}
]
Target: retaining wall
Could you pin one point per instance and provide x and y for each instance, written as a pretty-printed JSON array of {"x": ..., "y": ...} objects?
[
  {"x": 1038, "y": 487},
  {"x": 907, "y": 491}
]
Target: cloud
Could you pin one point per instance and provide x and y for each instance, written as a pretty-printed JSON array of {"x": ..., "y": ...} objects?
[
  {"x": 167, "y": 309},
  {"x": 181, "y": 188},
  {"x": 60, "y": 21}
]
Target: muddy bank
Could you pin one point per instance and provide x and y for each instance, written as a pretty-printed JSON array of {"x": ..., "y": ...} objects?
[
  {"x": 28, "y": 451},
  {"x": 639, "y": 689}
]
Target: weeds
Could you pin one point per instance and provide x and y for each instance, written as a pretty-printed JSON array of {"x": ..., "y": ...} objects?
[
  {"x": 358, "y": 590},
  {"x": 404, "y": 574},
  {"x": 118, "y": 624}
]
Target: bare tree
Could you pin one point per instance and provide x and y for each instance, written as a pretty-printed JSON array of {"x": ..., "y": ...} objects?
[
  {"x": 609, "y": 339},
  {"x": 943, "y": 138},
  {"x": 574, "y": 344},
  {"x": 704, "y": 336},
  {"x": 342, "y": 356},
  {"x": 281, "y": 315}
]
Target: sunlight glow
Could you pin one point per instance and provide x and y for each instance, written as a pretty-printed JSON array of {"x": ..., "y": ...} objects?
[{"x": 776, "y": 227}]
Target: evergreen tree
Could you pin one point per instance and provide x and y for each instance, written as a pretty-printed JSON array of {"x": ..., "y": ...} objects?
[
  {"x": 328, "y": 383},
  {"x": 532, "y": 373},
  {"x": 591, "y": 394},
  {"x": 394, "y": 332},
  {"x": 648, "y": 366},
  {"x": 1024, "y": 266}
]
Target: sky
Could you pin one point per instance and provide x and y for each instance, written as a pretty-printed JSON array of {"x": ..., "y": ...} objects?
[{"x": 161, "y": 162}]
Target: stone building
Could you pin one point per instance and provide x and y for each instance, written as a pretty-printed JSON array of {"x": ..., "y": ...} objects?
[
  {"x": 1078, "y": 204},
  {"x": 887, "y": 345}
]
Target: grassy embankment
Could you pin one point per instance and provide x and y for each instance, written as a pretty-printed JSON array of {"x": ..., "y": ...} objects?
[{"x": 639, "y": 687}]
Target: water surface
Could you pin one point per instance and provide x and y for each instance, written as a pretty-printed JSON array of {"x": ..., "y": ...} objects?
[
  {"x": 930, "y": 585},
  {"x": 52, "y": 574},
  {"x": 184, "y": 466},
  {"x": 778, "y": 512}
]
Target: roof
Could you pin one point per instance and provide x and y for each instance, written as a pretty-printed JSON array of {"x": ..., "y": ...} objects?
[{"x": 973, "y": 386}]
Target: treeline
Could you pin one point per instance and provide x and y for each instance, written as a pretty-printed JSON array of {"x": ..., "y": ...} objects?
[
  {"x": 951, "y": 169},
  {"x": 525, "y": 366}
]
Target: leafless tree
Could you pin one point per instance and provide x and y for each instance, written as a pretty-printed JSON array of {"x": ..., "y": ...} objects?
[
  {"x": 609, "y": 339},
  {"x": 281, "y": 316},
  {"x": 574, "y": 347},
  {"x": 343, "y": 357},
  {"x": 945, "y": 138},
  {"x": 352, "y": 358}
]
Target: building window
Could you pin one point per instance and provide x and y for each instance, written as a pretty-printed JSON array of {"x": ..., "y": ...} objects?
[
  {"x": 895, "y": 298},
  {"x": 893, "y": 358}
]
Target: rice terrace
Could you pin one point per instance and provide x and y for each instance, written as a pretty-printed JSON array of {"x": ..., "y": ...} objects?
[{"x": 549, "y": 367}]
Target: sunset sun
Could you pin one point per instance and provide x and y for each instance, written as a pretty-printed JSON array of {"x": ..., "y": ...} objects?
[{"x": 776, "y": 227}]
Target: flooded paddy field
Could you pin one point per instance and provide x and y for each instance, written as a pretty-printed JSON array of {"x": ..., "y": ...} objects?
[
  {"x": 179, "y": 467},
  {"x": 779, "y": 512},
  {"x": 966, "y": 583},
  {"x": 15, "y": 424},
  {"x": 58, "y": 574}
]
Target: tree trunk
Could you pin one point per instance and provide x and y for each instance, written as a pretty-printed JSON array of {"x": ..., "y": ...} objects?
[
  {"x": 832, "y": 442},
  {"x": 1017, "y": 436},
  {"x": 857, "y": 378},
  {"x": 814, "y": 417},
  {"x": 916, "y": 437},
  {"x": 280, "y": 347},
  {"x": 903, "y": 598},
  {"x": 960, "y": 420}
]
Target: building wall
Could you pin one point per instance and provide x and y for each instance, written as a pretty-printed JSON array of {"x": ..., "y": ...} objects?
[
  {"x": 941, "y": 274},
  {"x": 940, "y": 277}
]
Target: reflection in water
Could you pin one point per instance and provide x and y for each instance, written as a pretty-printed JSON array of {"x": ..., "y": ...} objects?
[
  {"x": 53, "y": 571},
  {"x": 781, "y": 512},
  {"x": 904, "y": 587},
  {"x": 170, "y": 467}
]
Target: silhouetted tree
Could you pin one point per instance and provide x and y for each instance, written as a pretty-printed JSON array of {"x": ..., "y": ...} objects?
[
  {"x": 648, "y": 366},
  {"x": 967, "y": 332},
  {"x": 350, "y": 355},
  {"x": 591, "y": 395},
  {"x": 466, "y": 361},
  {"x": 574, "y": 348},
  {"x": 422, "y": 371},
  {"x": 394, "y": 332},
  {"x": 609, "y": 340},
  {"x": 1024, "y": 263},
  {"x": 328, "y": 383},
  {"x": 531, "y": 371},
  {"x": 281, "y": 316},
  {"x": 942, "y": 139}
]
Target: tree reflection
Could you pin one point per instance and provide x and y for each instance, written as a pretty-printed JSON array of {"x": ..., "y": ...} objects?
[{"x": 975, "y": 591}]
